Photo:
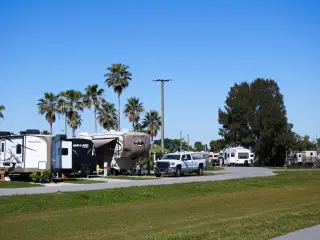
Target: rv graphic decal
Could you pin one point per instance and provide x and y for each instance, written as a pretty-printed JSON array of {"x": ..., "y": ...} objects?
[
  {"x": 81, "y": 145},
  {"x": 139, "y": 143}
]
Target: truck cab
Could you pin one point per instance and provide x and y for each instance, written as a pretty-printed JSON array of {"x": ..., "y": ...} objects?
[{"x": 180, "y": 162}]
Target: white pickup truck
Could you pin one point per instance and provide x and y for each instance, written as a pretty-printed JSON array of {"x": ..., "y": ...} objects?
[{"x": 180, "y": 162}]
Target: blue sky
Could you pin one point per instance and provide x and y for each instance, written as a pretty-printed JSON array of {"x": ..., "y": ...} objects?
[{"x": 204, "y": 46}]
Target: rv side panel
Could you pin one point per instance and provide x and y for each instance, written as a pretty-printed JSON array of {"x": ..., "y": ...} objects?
[
  {"x": 66, "y": 155},
  {"x": 36, "y": 153}
]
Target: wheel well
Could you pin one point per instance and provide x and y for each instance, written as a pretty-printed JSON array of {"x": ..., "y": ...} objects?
[
  {"x": 178, "y": 166},
  {"x": 201, "y": 165}
]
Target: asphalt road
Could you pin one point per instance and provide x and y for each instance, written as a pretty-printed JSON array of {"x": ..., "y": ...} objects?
[
  {"x": 312, "y": 233},
  {"x": 228, "y": 173}
]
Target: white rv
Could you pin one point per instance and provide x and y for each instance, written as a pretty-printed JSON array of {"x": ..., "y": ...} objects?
[
  {"x": 26, "y": 152},
  {"x": 117, "y": 150},
  {"x": 214, "y": 157},
  {"x": 236, "y": 156}
]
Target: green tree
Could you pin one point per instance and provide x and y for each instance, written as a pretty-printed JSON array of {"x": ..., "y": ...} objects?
[
  {"x": 216, "y": 145},
  {"x": 2, "y": 108},
  {"x": 93, "y": 96},
  {"x": 255, "y": 116},
  {"x": 198, "y": 146},
  {"x": 132, "y": 110},
  {"x": 138, "y": 127},
  {"x": 74, "y": 121},
  {"x": 151, "y": 123},
  {"x": 107, "y": 115},
  {"x": 45, "y": 132},
  {"x": 48, "y": 106},
  {"x": 118, "y": 77}
]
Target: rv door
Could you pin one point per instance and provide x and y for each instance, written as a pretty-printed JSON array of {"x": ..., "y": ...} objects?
[
  {"x": 2, "y": 150},
  {"x": 66, "y": 155}
]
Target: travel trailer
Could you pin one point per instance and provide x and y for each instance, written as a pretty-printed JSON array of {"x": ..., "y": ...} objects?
[
  {"x": 73, "y": 155},
  {"x": 118, "y": 150},
  {"x": 25, "y": 152},
  {"x": 234, "y": 156},
  {"x": 214, "y": 158}
]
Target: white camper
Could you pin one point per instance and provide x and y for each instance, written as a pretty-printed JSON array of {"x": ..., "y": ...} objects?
[
  {"x": 119, "y": 150},
  {"x": 236, "y": 156},
  {"x": 26, "y": 152}
]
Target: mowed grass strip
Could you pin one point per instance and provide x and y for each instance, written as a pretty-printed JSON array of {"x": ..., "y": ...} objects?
[
  {"x": 257, "y": 208},
  {"x": 17, "y": 184}
]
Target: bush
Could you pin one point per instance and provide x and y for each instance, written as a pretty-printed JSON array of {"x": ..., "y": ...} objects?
[
  {"x": 42, "y": 177},
  {"x": 35, "y": 176}
]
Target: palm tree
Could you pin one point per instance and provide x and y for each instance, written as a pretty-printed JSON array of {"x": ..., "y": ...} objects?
[
  {"x": 74, "y": 121},
  {"x": 132, "y": 110},
  {"x": 107, "y": 115},
  {"x": 93, "y": 96},
  {"x": 62, "y": 108},
  {"x": 151, "y": 123},
  {"x": 73, "y": 103},
  {"x": 45, "y": 132},
  {"x": 138, "y": 127},
  {"x": 118, "y": 78},
  {"x": 48, "y": 106},
  {"x": 2, "y": 108}
]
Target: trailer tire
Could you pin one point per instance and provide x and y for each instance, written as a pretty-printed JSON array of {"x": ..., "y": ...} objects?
[
  {"x": 178, "y": 171},
  {"x": 200, "y": 170}
]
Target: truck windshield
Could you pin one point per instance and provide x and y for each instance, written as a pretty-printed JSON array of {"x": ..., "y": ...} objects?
[{"x": 172, "y": 156}]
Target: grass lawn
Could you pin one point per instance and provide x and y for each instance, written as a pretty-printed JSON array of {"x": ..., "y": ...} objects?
[
  {"x": 77, "y": 181},
  {"x": 252, "y": 208},
  {"x": 130, "y": 177},
  {"x": 210, "y": 168},
  {"x": 17, "y": 184}
]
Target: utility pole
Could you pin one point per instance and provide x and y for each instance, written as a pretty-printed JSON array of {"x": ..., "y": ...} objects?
[
  {"x": 180, "y": 140},
  {"x": 162, "y": 111}
]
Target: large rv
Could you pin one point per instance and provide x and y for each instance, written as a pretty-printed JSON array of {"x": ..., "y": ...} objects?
[
  {"x": 73, "y": 155},
  {"x": 234, "y": 156},
  {"x": 120, "y": 151},
  {"x": 25, "y": 152}
]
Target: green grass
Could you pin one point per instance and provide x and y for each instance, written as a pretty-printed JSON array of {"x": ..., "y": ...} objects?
[
  {"x": 210, "y": 168},
  {"x": 17, "y": 184},
  {"x": 252, "y": 208},
  {"x": 77, "y": 181},
  {"x": 129, "y": 178}
]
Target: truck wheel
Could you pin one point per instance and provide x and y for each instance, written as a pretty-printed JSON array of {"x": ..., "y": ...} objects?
[
  {"x": 200, "y": 171},
  {"x": 178, "y": 172},
  {"x": 158, "y": 174}
]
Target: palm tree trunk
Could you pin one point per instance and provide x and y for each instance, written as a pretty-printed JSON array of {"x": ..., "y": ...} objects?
[
  {"x": 119, "y": 111},
  {"x": 65, "y": 124},
  {"x": 51, "y": 128},
  {"x": 73, "y": 132},
  {"x": 95, "y": 119}
]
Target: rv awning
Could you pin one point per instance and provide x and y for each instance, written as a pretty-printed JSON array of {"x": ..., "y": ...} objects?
[{"x": 101, "y": 142}]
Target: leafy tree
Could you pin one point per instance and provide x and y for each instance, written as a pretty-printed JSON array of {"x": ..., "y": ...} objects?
[
  {"x": 48, "y": 106},
  {"x": 133, "y": 109},
  {"x": 138, "y": 127},
  {"x": 198, "y": 146},
  {"x": 118, "y": 78},
  {"x": 255, "y": 116},
  {"x": 107, "y": 115},
  {"x": 45, "y": 132},
  {"x": 74, "y": 121},
  {"x": 216, "y": 145},
  {"x": 151, "y": 123},
  {"x": 2, "y": 108},
  {"x": 93, "y": 96},
  {"x": 173, "y": 145}
]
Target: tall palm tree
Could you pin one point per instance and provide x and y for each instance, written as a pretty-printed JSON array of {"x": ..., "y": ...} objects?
[
  {"x": 93, "y": 96},
  {"x": 2, "y": 108},
  {"x": 118, "y": 78},
  {"x": 151, "y": 123},
  {"x": 74, "y": 121},
  {"x": 132, "y": 110},
  {"x": 74, "y": 103},
  {"x": 62, "y": 108},
  {"x": 107, "y": 115},
  {"x": 138, "y": 127},
  {"x": 48, "y": 106}
]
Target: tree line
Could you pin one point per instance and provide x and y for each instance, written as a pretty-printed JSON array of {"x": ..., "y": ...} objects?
[
  {"x": 255, "y": 116},
  {"x": 71, "y": 103}
]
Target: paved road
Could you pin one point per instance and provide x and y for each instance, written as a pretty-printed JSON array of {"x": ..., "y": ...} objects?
[
  {"x": 228, "y": 173},
  {"x": 312, "y": 233}
]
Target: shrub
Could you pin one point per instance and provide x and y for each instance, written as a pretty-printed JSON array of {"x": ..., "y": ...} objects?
[
  {"x": 43, "y": 176},
  {"x": 35, "y": 176}
]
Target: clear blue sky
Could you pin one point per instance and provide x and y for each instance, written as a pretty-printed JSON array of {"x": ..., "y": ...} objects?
[{"x": 204, "y": 46}]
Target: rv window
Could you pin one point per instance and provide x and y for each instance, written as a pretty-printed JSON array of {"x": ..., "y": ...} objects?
[
  {"x": 64, "y": 151},
  {"x": 243, "y": 155},
  {"x": 2, "y": 147},
  {"x": 311, "y": 154},
  {"x": 18, "y": 149},
  {"x": 232, "y": 154}
]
